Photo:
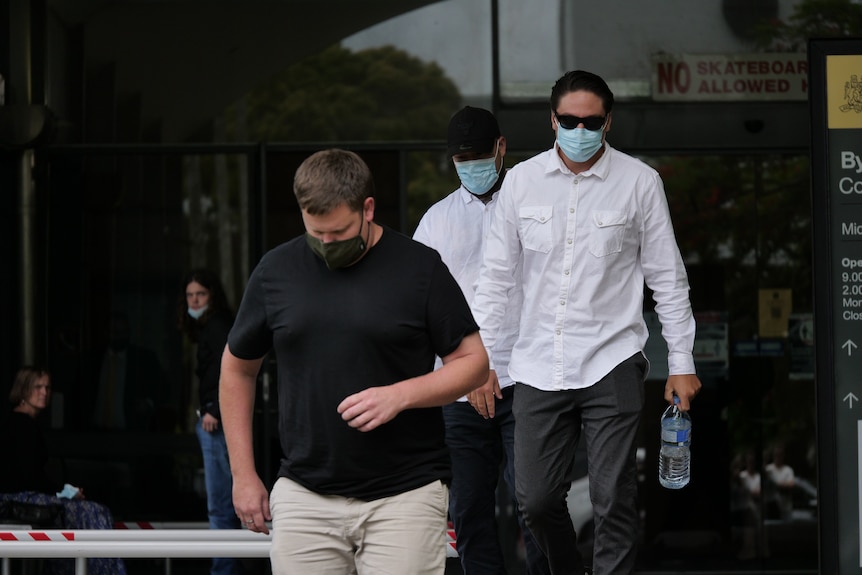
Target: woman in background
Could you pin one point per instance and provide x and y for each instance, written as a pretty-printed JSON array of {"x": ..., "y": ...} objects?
[
  {"x": 24, "y": 478},
  {"x": 204, "y": 316}
]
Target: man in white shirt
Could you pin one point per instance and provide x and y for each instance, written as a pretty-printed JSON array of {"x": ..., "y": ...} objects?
[
  {"x": 581, "y": 227},
  {"x": 480, "y": 426}
]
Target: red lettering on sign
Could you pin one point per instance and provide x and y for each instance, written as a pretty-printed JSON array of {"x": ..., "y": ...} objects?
[
  {"x": 673, "y": 76},
  {"x": 743, "y": 86},
  {"x": 745, "y": 67}
]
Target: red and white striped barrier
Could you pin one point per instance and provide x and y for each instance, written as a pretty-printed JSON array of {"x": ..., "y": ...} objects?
[
  {"x": 451, "y": 550},
  {"x": 37, "y": 535}
]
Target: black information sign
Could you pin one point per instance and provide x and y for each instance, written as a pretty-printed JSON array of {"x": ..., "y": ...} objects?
[{"x": 835, "y": 95}]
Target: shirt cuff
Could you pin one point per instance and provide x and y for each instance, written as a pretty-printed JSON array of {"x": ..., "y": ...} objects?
[{"x": 679, "y": 363}]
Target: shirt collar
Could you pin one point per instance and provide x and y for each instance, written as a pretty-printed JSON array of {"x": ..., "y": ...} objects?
[{"x": 600, "y": 169}]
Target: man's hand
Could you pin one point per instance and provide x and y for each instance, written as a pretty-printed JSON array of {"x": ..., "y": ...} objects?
[
  {"x": 686, "y": 387},
  {"x": 209, "y": 423},
  {"x": 251, "y": 503},
  {"x": 371, "y": 408},
  {"x": 482, "y": 399},
  {"x": 462, "y": 371}
]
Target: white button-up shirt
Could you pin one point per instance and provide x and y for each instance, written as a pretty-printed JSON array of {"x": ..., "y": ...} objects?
[
  {"x": 582, "y": 246},
  {"x": 457, "y": 227}
]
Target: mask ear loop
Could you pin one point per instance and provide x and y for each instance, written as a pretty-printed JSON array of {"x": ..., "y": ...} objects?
[
  {"x": 368, "y": 241},
  {"x": 497, "y": 151}
]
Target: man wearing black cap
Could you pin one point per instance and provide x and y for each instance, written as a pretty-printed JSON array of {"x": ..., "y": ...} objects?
[{"x": 480, "y": 426}]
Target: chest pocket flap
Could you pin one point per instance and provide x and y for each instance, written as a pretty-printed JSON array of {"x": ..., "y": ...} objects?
[
  {"x": 535, "y": 225},
  {"x": 604, "y": 218},
  {"x": 606, "y": 237}
]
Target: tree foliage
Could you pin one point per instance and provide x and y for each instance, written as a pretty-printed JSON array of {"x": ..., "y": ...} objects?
[
  {"x": 811, "y": 19},
  {"x": 378, "y": 94}
]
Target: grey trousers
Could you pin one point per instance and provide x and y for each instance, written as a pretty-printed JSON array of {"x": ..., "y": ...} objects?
[{"x": 547, "y": 432}]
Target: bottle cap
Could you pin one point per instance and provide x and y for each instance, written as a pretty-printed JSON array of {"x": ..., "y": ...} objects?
[{"x": 675, "y": 399}]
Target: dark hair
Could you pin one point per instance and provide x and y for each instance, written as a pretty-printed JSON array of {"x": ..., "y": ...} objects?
[
  {"x": 217, "y": 302},
  {"x": 578, "y": 80},
  {"x": 25, "y": 379},
  {"x": 329, "y": 178}
]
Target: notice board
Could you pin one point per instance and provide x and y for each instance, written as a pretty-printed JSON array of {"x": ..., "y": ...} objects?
[{"x": 835, "y": 99}]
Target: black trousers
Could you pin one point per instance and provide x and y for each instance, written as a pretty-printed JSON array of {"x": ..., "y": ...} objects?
[
  {"x": 546, "y": 438},
  {"x": 479, "y": 447}
]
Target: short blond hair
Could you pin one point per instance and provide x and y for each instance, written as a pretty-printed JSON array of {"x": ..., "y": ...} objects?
[{"x": 329, "y": 178}]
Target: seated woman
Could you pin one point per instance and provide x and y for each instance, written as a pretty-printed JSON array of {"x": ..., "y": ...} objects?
[{"x": 24, "y": 477}]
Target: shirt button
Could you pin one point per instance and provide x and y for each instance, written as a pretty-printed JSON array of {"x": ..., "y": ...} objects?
[
  {"x": 542, "y": 219},
  {"x": 566, "y": 272},
  {"x": 570, "y": 240},
  {"x": 562, "y": 302},
  {"x": 571, "y": 210},
  {"x": 558, "y": 332}
]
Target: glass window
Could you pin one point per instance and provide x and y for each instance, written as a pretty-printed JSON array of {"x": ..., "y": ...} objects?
[
  {"x": 123, "y": 230},
  {"x": 455, "y": 35},
  {"x": 540, "y": 40},
  {"x": 743, "y": 225}
]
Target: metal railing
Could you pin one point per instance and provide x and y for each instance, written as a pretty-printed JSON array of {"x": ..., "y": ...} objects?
[
  {"x": 157, "y": 540},
  {"x": 145, "y": 543}
]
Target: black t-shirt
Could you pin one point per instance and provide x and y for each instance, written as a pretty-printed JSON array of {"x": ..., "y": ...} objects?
[{"x": 337, "y": 332}]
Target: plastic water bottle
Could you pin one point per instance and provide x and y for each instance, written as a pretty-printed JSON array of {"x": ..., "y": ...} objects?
[{"x": 674, "y": 464}]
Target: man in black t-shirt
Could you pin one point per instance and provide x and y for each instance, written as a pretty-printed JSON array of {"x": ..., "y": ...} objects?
[{"x": 355, "y": 314}]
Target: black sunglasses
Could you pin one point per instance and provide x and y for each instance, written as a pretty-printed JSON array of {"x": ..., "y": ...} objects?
[{"x": 591, "y": 123}]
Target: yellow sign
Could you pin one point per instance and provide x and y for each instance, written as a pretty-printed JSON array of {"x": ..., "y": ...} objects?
[
  {"x": 774, "y": 306},
  {"x": 844, "y": 91}
]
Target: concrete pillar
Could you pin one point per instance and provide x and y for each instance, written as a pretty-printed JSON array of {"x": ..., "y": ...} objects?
[{"x": 19, "y": 94}]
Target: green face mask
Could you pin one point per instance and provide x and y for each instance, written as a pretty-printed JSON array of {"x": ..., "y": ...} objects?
[{"x": 340, "y": 253}]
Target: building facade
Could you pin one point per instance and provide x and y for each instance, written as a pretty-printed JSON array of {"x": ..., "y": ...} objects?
[{"x": 140, "y": 139}]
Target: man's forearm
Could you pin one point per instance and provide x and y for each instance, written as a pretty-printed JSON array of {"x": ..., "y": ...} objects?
[
  {"x": 236, "y": 399},
  {"x": 462, "y": 372}
]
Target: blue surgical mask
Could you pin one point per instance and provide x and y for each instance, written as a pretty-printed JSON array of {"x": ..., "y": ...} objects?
[
  {"x": 479, "y": 176},
  {"x": 579, "y": 144},
  {"x": 197, "y": 313}
]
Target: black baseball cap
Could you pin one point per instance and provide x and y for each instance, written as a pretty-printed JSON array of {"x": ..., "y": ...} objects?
[{"x": 472, "y": 130}]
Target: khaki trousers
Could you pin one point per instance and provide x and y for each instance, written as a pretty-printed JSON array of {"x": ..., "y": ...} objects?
[{"x": 314, "y": 534}]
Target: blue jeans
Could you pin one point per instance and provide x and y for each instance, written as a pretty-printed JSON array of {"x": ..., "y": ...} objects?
[
  {"x": 478, "y": 448},
  {"x": 219, "y": 492}
]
